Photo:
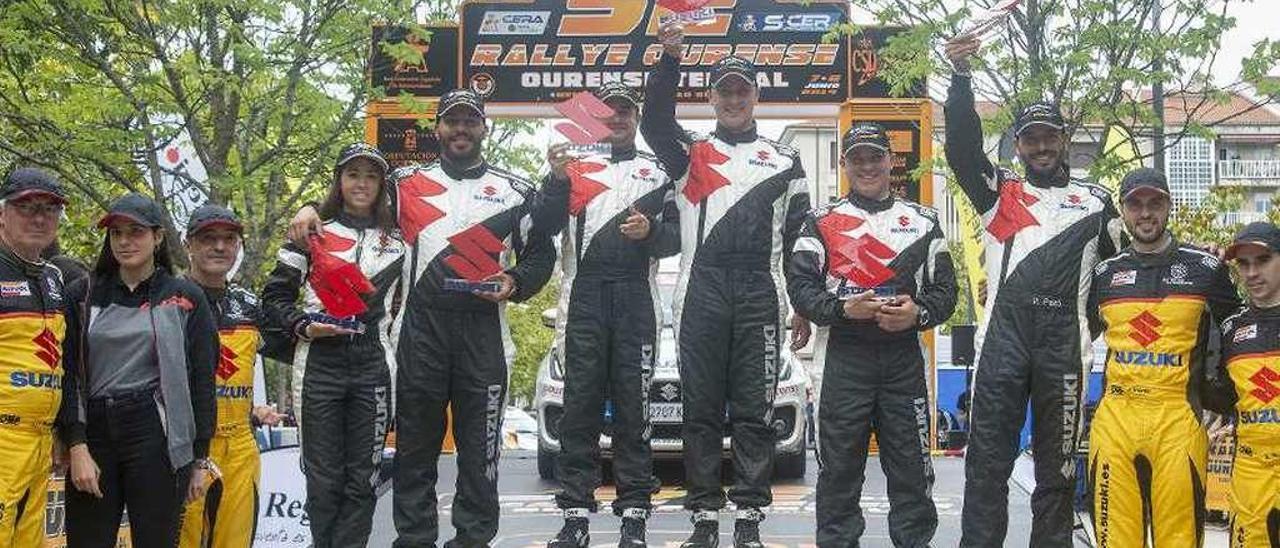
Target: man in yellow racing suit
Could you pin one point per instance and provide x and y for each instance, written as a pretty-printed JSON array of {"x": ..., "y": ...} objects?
[
  {"x": 32, "y": 329},
  {"x": 1158, "y": 304},
  {"x": 226, "y": 516}
]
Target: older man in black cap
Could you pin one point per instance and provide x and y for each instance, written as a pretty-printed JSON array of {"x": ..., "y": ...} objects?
[
  {"x": 1158, "y": 304},
  {"x": 32, "y": 328},
  {"x": 742, "y": 200},
  {"x": 226, "y": 516},
  {"x": 870, "y": 315},
  {"x": 1044, "y": 232},
  {"x": 621, "y": 217}
]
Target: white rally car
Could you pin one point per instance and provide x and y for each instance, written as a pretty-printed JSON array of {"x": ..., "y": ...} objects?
[{"x": 665, "y": 410}]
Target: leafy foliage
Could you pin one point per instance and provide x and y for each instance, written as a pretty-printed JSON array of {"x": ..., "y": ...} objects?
[
  {"x": 1088, "y": 55},
  {"x": 532, "y": 339}
]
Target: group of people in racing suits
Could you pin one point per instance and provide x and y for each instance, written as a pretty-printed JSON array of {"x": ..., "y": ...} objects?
[
  {"x": 445, "y": 246},
  {"x": 1065, "y": 266}
]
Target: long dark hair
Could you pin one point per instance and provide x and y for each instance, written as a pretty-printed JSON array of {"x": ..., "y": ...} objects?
[
  {"x": 382, "y": 214},
  {"x": 107, "y": 264}
]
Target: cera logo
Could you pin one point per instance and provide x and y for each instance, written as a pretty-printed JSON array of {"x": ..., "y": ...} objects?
[
  {"x": 1266, "y": 385},
  {"x": 514, "y": 23},
  {"x": 1144, "y": 328}
]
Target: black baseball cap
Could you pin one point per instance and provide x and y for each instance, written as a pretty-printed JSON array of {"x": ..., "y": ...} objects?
[
  {"x": 1261, "y": 234},
  {"x": 29, "y": 181},
  {"x": 1041, "y": 112},
  {"x": 865, "y": 134},
  {"x": 362, "y": 150},
  {"x": 211, "y": 215},
  {"x": 730, "y": 66},
  {"x": 135, "y": 208},
  {"x": 460, "y": 98},
  {"x": 1144, "y": 178},
  {"x": 617, "y": 90}
]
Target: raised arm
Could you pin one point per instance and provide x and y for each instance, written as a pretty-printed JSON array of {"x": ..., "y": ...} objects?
[
  {"x": 658, "y": 124},
  {"x": 964, "y": 151}
]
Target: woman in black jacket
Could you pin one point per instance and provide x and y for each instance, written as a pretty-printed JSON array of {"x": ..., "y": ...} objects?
[
  {"x": 138, "y": 400},
  {"x": 342, "y": 376}
]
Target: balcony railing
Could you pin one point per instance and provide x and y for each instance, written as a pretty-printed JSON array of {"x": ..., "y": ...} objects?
[
  {"x": 1249, "y": 169},
  {"x": 1242, "y": 217}
]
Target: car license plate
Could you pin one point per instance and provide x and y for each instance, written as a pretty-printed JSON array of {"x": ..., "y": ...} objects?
[{"x": 665, "y": 412}]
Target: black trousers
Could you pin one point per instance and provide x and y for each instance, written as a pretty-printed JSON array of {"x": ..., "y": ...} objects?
[
  {"x": 1029, "y": 353},
  {"x": 874, "y": 387},
  {"x": 456, "y": 359},
  {"x": 346, "y": 409},
  {"x": 610, "y": 338},
  {"x": 729, "y": 337},
  {"x": 126, "y": 439}
]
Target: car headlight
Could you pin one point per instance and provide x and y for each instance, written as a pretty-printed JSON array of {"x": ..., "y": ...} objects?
[{"x": 556, "y": 371}]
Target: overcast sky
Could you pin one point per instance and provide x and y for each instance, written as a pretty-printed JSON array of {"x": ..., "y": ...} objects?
[{"x": 1255, "y": 20}]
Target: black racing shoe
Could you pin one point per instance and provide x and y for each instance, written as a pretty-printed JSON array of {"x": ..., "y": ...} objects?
[
  {"x": 633, "y": 526},
  {"x": 576, "y": 532},
  {"x": 706, "y": 531},
  {"x": 746, "y": 529}
]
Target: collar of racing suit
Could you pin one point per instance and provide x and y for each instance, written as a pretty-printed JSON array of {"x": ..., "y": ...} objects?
[
  {"x": 620, "y": 154},
  {"x": 870, "y": 205},
  {"x": 32, "y": 270},
  {"x": 355, "y": 221},
  {"x": 736, "y": 137},
  {"x": 1164, "y": 257},
  {"x": 1267, "y": 312},
  {"x": 1059, "y": 180},
  {"x": 459, "y": 173},
  {"x": 213, "y": 294}
]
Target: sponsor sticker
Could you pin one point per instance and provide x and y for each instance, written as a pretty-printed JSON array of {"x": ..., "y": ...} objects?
[
  {"x": 1127, "y": 277},
  {"x": 514, "y": 23},
  {"x": 695, "y": 17},
  {"x": 1245, "y": 333},
  {"x": 791, "y": 22},
  {"x": 15, "y": 289}
]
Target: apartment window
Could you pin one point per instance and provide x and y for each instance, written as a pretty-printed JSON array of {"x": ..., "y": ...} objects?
[{"x": 1189, "y": 167}]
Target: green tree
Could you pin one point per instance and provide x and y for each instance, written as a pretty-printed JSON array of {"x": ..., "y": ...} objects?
[
  {"x": 267, "y": 92},
  {"x": 1090, "y": 55}
]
